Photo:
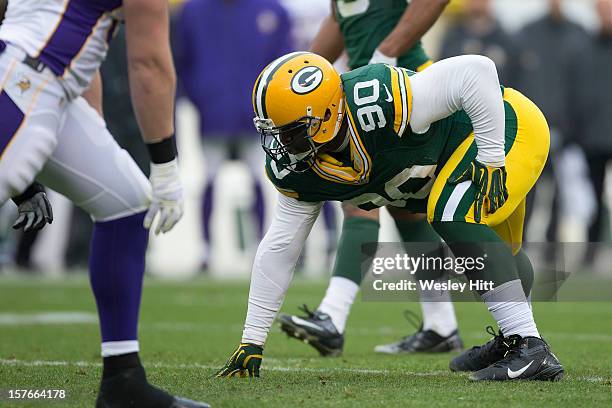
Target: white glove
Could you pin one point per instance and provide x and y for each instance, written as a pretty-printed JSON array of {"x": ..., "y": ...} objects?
[
  {"x": 380, "y": 58},
  {"x": 167, "y": 197}
]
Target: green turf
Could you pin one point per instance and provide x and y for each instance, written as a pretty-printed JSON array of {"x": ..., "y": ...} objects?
[{"x": 189, "y": 329}]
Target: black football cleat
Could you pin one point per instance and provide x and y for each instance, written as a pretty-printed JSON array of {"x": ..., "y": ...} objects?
[
  {"x": 423, "y": 341},
  {"x": 528, "y": 359},
  {"x": 130, "y": 388},
  {"x": 479, "y": 357},
  {"x": 315, "y": 329}
]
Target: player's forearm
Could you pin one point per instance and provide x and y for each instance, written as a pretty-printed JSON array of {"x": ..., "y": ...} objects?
[
  {"x": 153, "y": 86},
  {"x": 93, "y": 95},
  {"x": 150, "y": 67},
  {"x": 416, "y": 21},
  {"x": 3, "y": 5},
  {"x": 274, "y": 264},
  {"x": 328, "y": 42},
  {"x": 468, "y": 83}
]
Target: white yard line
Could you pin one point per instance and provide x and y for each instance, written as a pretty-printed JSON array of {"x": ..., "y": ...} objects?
[
  {"x": 86, "y": 317},
  {"x": 44, "y": 318},
  {"x": 197, "y": 366}
]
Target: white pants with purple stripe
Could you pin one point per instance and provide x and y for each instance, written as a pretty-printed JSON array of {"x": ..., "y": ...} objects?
[{"x": 63, "y": 144}]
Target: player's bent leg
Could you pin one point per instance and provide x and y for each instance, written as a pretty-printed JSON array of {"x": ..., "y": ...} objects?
[
  {"x": 30, "y": 115},
  {"x": 519, "y": 353},
  {"x": 451, "y": 211},
  {"x": 511, "y": 232},
  {"x": 91, "y": 169},
  {"x": 438, "y": 331},
  {"x": 527, "y": 144},
  {"x": 323, "y": 329}
]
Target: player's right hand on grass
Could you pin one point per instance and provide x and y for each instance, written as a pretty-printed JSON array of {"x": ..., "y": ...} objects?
[
  {"x": 245, "y": 361},
  {"x": 167, "y": 198}
]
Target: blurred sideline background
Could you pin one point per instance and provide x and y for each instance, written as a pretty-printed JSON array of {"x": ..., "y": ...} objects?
[{"x": 222, "y": 162}]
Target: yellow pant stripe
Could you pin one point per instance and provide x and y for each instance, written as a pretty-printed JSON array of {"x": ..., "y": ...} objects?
[{"x": 425, "y": 66}]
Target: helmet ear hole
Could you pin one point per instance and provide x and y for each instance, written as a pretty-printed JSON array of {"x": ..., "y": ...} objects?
[{"x": 328, "y": 115}]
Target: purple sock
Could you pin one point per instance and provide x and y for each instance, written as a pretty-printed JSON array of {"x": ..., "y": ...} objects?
[
  {"x": 116, "y": 270},
  {"x": 207, "y": 207},
  {"x": 329, "y": 216},
  {"x": 259, "y": 208}
]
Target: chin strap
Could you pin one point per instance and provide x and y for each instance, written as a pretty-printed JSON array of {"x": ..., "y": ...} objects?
[{"x": 344, "y": 144}]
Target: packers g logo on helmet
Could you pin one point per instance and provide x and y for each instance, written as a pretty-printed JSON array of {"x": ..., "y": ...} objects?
[
  {"x": 299, "y": 106},
  {"x": 307, "y": 80}
]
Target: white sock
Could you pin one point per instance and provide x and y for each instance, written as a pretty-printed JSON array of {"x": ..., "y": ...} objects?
[
  {"x": 509, "y": 307},
  {"x": 116, "y": 348},
  {"x": 438, "y": 311},
  {"x": 338, "y": 300}
]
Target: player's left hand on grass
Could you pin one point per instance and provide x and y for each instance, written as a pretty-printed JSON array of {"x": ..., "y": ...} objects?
[
  {"x": 245, "y": 361},
  {"x": 490, "y": 183},
  {"x": 167, "y": 198},
  {"x": 34, "y": 209}
]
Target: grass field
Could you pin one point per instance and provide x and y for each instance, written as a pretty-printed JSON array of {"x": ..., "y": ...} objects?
[{"x": 189, "y": 329}]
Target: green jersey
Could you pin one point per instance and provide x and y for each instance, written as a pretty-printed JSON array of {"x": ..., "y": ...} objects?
[
  {"x": 385, "y": 163},
  {"x": 366, "y": 23}
]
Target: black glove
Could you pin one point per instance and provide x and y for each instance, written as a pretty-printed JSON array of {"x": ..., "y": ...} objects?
[
  {"x": 490, "y": 183},
  {"x": 34, "y": 209}
]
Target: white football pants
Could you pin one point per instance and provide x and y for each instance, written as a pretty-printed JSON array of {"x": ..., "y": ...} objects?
[{"x": 63, "y": 144}]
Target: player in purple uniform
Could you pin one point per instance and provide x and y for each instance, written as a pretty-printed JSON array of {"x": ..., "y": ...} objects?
[{"x": 50, "y": 52}]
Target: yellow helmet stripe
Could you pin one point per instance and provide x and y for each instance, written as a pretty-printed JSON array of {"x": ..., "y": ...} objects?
[
  {"x": 265, "y": 78},
  {"x": 253, "y": 97}
]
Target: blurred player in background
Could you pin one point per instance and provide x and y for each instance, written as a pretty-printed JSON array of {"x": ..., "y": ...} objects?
[
  {"x": 387, "y": 32},
  {"x": 448, "y": 141},
  {"x": 545, "y": 65},
  {"x": 478, "y": 32},
  {"x": 242, "y": 36},
  {"x": 593, "y": 103},
  {"x": 50, "y": 53}
]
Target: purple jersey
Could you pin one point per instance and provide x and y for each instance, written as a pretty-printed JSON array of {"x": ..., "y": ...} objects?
[
  {"x": 70, "y": 36},
  {"x": 220, "y": 48}
]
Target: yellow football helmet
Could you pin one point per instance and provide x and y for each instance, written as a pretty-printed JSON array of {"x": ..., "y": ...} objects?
[{"x": 299, "y": 106}]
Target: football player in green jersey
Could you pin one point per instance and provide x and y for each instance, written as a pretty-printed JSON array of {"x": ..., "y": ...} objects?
[
  {"x": 449, "y": 142},
  {"x": 382, "y": 31}
]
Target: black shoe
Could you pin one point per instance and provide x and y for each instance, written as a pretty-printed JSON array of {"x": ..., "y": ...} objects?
[
  {"x": 529, "y": 359},
  {"x": 423, "y": 341},
  {"x": 316, "y": 329},
  {"x": 130, "y": 388},
  {"x": 479, "y": 357}
]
